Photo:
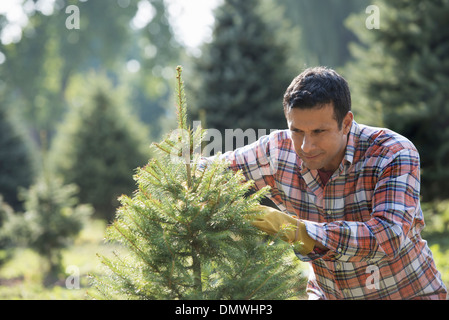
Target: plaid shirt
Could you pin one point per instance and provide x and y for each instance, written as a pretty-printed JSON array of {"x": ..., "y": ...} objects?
[{"x": 368, "y": 214}]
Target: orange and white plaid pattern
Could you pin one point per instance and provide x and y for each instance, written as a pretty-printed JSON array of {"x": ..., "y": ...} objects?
[{"x": 368, "y": 214}]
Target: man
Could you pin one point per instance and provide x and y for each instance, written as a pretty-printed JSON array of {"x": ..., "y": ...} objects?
[{"x": 353, "y": 191}]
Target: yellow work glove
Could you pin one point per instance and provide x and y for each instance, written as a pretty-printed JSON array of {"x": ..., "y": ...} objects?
[{"x": 290, "y": 229}]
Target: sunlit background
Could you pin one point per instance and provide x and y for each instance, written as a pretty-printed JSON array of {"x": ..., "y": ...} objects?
[
  {"x": 192, "y": 20},
  {"x": 80, "y": 107}
]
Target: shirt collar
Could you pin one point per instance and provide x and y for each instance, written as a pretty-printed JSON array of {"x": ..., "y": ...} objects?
[{"x": 353, "y": 140}]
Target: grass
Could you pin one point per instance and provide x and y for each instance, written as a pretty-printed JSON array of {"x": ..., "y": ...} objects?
[
  {"x": 21, "y": 277},
  {"x": 439, "y": 245}
]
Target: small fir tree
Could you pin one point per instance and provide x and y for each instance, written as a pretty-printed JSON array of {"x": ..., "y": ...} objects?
[
  {"x": 188, "y": 233},
  {"x": 52, "y": 218}
]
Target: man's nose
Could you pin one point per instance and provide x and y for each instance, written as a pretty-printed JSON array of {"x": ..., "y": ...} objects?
[{"x": 307, "y": 144}]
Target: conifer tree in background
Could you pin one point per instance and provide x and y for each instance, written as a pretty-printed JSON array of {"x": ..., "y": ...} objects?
[
  {"x": 52, "y": 218},
  {"x": 99, "y": 144},
  {"x": 187, "y": 232},
  {"x": 17, "y": 168},
  {"x": 403, "y": 67},
  {"x": 245, "y": 69},
  {"x": 324, "y": 40}
]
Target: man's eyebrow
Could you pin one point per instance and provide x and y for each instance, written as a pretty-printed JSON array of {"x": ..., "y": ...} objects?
[
  {"x": 321, "y": 128},
  {"x": 292, "y": 128}
]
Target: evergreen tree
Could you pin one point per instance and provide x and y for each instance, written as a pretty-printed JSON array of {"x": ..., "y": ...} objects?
[
  {"x": 187, "y": 232},
  {"x": 403, "y": 67},
  {"x": 52, "y": 53},
  {"x": 245, "y": 69},
  {"x": 324, "y": 39},
  {"x": 99, "y": 144},
  {"x": 107, "y": 38},
  {"x": 52, "y": 218},
  {"x": 17, "y": 167}
]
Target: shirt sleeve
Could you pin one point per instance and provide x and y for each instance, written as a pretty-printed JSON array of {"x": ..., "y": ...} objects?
[
  {"x": 395, "y": 206},
  {"x": 257, "y": 161}
]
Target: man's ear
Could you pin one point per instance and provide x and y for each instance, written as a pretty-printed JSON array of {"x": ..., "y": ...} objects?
[{"x": 347, "y": 122}]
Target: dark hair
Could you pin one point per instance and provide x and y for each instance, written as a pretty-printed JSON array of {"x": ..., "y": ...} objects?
[{"x": 316, "y": 87}]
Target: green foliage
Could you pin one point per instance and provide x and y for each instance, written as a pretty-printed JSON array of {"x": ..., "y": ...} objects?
[
  {"x": 106, "y": 40},
  {"x": 16, "y": 164},
  {"x": 5, "y": 241},
  {"x": 436, "y": 214},
  {"x": 99, "y": 144},
  {"x": 21, "y": 276},
  {"x": 441, "y": 257},
  {"x": 403, "y": 68},
  {"x": 52, "y": 53},
  {"x": 52, "y": 218},
  {"x": 189, "y": 234},
  {"x": 324, "y": 39},
  {"x": 245, "y": 69}
]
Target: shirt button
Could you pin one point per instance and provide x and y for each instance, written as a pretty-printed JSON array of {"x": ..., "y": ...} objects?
[
  {"x": 338, "y": 266},
  {"x": 329, "y": 212}
]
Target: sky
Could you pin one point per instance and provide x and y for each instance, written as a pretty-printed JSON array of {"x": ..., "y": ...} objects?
[{"x": 192, "y": 19}]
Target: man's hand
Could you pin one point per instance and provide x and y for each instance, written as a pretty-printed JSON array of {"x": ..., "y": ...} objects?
[{"x": 291, "y": 230}]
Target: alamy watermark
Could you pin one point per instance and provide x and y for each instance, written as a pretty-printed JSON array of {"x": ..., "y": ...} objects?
[
  {"x": 372, "y": 282},
  {"x": 73, "y": 20},
  {"x": 373, "y": 20},
  {"x": 214, "y": 142},
  {"x": 73, "y": 280}
]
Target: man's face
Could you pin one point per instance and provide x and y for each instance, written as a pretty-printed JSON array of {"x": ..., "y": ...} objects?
[{"x": 316, "y": 137}]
